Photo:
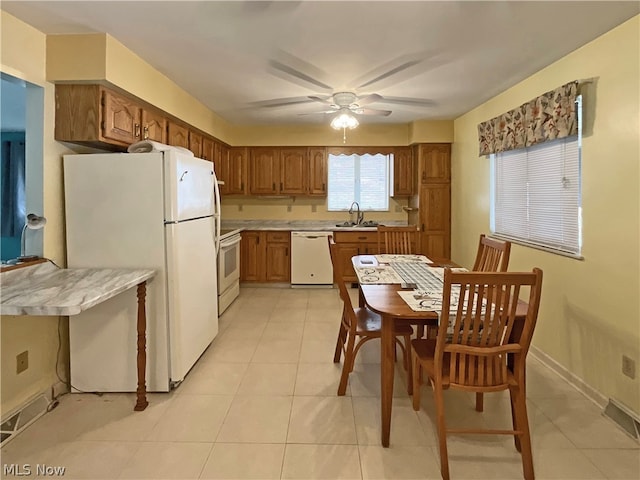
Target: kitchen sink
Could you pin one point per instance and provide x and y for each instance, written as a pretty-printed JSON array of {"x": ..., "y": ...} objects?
[
  {"x": 346, "y": 224},
  {"x": 367, "y": 224}
]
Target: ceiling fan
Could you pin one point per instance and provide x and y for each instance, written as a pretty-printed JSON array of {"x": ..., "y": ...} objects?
[{"x": 348, "y": 101}]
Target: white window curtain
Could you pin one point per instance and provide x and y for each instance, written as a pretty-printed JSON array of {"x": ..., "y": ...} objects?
[
  {"x": 537, "y": 195},
  {"x": 359, "y": 178}
]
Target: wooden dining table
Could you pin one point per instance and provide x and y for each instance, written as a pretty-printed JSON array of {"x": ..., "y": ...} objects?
[{"x": 384, "y": 300}]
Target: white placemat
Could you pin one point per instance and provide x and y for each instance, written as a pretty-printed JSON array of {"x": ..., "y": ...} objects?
[
  {"x": 379, "y": 275},
  {"x": 387, "y": 258}
]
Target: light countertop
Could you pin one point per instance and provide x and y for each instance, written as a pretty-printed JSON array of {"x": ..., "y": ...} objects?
[
  {"x": 300, "y": 225},
  {"x": 45, "y": 289}
]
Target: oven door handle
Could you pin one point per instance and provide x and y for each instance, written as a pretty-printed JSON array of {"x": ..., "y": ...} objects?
[{"x": 230, "y": 242}]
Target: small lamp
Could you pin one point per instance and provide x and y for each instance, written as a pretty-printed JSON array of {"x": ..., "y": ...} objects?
[{"x": 34, "y": 222}]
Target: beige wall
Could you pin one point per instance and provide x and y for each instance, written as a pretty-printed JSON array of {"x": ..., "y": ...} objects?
[
  {"x": 38, "y": 335},
  {"x": 590, "y": 312}
]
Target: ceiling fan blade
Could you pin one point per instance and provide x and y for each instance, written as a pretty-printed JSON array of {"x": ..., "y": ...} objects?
[
  {"x": 373, "y": 111},
  {"x": 324, "y": 100},
  {"x": 401, "y": 69},
  {"x": 294, "y": 69},
  {"x": 388, "y": 73},
  {"x": 322, "y": 112},
  {"x": 280, "y": 102},
  {"x": 416, "y": 102},
  {"x": 367, "y": 99}
]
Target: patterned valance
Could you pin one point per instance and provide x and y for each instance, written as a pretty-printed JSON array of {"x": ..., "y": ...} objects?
[{"x": 547, "y": 117}]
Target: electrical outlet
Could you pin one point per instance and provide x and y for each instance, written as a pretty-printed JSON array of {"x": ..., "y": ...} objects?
[
  {"x": 22, "y": 361},
  {"x": 628, "y": 367}
]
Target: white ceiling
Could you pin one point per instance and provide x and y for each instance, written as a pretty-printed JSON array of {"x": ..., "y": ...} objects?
[{"x": 454, "y": 55}]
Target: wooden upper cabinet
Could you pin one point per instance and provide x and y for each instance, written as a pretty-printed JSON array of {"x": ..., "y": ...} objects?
[
  {"x": 264, "y": 171},
  {"x": 317, "y": 171},
  {"x": 235, "y": 170},
  {"x": 434, "y": 162},
  {"x": 195, "y": 143},
  {"x": 177, "y": 135},
  {"x": 294, "y": 171},
  {"x": 208, "y": 152},
  {"x": 154, "y": 126},
  {"x": 402, "y": 172},
  {"x": 121, "y": 118},
  {"x": 102, "y": 118}
]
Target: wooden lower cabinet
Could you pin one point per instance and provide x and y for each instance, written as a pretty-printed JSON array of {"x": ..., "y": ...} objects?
[
  {"x": 351, "y": 244},
  {"x": 265, "y": 256}
]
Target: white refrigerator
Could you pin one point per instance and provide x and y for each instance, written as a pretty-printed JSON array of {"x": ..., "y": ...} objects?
[{"x": 156, "y": 210}]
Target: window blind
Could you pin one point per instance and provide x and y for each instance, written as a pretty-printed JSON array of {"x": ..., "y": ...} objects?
[
  {"x": 537, "y": 195},
  {"x": 360, "y": 178}
]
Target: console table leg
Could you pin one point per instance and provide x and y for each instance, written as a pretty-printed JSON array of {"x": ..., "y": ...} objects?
[{"x": 141, "y": 392}]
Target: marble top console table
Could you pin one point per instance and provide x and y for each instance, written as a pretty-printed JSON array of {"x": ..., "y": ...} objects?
[{"x": 45, "y": 289}]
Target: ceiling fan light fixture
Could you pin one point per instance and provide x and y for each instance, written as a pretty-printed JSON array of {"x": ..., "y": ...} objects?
[{"x": 343, "y": 121}]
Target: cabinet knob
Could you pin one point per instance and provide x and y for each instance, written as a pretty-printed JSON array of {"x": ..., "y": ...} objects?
[
  {"x": 137, "y": 130},
  {"x": 145, "y": 131}
]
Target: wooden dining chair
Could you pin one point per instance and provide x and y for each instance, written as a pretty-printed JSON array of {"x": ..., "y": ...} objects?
[
  {"x": 358, "y": 326},
  {"x": 473, "y": 346},
  {"x": 398, "y": 239},
  {"x": 492, "y": 256}
]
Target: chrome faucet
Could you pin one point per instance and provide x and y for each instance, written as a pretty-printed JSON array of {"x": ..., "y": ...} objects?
[{"x": 359, "y": 214}]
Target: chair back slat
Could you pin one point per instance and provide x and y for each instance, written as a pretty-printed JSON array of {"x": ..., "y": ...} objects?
[
  {"x": 482, "y": 323},
  {"x": 348, "y": 314},
  {"x": 398, "y": 240},
  {"x": 493, "y": 255}
]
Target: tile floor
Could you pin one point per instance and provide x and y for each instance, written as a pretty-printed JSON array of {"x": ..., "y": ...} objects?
[{"x": 261, "y": 404}]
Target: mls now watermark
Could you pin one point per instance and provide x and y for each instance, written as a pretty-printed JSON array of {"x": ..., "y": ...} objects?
[{"x": 26, "y": 470}]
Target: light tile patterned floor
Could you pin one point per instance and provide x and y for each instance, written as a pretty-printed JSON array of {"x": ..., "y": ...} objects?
[{"x": 261, "y": 404}]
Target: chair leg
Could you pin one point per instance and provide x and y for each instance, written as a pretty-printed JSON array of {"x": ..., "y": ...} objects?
[
  {"x": 420, "y": 331},
  {"x": 442, "y": 432},
  {"x": 520, "y": 406},
  {"x": 416, "y": 378},
  {"x": 514, "y": 419},
  {"x": 479, "y": 401},
  {"x": 407, "y": 363},
  {"x": 342, "y": 336},
  {"x": 347, "y": 366}
]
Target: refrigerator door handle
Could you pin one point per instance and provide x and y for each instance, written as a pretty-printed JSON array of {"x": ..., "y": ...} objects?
[{"x": 216, "y": 212}]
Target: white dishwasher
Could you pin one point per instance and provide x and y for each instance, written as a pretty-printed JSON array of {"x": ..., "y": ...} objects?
[{"x": 310, "y": 259}]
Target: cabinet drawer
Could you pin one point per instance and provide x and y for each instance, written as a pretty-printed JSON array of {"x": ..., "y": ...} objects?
[
  {"x": 278, "y": 236},
  {"x": 356, "y": 237}
]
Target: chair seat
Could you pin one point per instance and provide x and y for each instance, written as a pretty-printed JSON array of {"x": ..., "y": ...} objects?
[{"x": 370, "y": 323}]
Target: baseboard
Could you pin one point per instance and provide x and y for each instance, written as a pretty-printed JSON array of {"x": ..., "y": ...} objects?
[{"x": 576, "y": 382}]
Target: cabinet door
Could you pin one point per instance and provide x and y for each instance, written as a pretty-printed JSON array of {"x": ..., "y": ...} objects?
[
  {"x": 278, "y": 262},
  {"x": 402, "y": 172},
  {"x": 345, "y": 252},
  {"x": 208, "y": 148},
  {"x": 154, "y": 126},
  {"x": 435, "y": 219},
  {"x": 177, "y": 135},
  {"x": 264, "y": 171},
  {"x": 317, "y": 171},
  {"x": 195, "y": 143},
  {"x": 236, "y": 170},
  {"x": 121, "y": 118},
  {"x": 252, "y": 258},
  {"x": 294, "y": 171},
  {"x": 435, "y": 162}
]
